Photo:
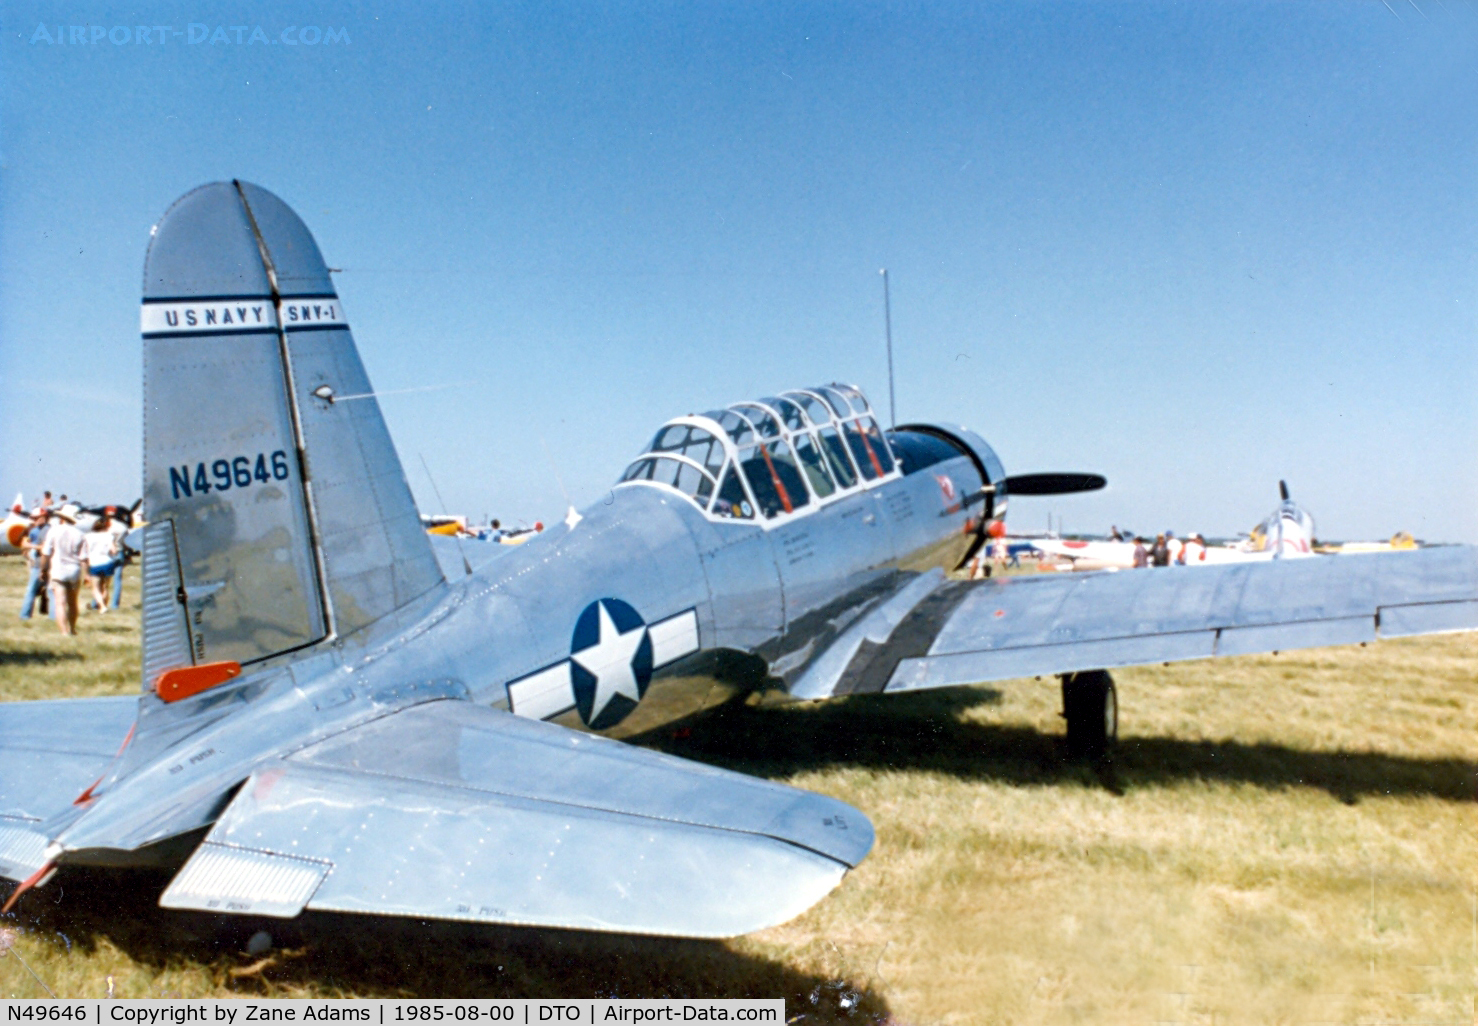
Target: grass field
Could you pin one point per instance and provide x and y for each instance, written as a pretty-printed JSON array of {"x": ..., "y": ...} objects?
[{"x": 1279, "y": 839}]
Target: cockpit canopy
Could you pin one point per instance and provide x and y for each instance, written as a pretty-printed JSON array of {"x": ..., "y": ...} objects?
[{"x": 771, "y": 458}]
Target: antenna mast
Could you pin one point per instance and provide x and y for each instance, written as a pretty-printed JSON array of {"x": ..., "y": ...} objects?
[{"x": 888, "y": 329}]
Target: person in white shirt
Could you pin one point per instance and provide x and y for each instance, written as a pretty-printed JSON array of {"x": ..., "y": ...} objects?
[
  {"x": 1195, "y": 551},
  {"x": 102, "y": 561},
  {"x": 63, "y": 553}
]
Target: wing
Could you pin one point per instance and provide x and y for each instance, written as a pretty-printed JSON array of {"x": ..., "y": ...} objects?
[
  {"x": 939, "y": 633},
  {"x": 456, "y": 811},
  {"x": 50, "y": 752}
]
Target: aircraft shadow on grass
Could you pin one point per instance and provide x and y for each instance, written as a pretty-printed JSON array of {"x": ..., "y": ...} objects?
[
  {"x": 373, "y": 956},
  {"x": 924, "y": 732}
]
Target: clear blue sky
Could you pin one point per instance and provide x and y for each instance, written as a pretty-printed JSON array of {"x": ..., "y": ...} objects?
[{"x": 1195, "y": 247}]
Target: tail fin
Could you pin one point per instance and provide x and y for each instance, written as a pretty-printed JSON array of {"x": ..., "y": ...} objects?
[{"x": 291, "y": 518}]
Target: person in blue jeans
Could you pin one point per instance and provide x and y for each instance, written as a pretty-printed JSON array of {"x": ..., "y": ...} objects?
[
  {"x": 117, "y": 597},
  {"x": 122, "y": 522},
  {"x": 36, "y": 576}
]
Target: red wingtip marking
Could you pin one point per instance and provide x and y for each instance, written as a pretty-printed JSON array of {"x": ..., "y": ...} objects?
[{"x": 26, "y": 884}]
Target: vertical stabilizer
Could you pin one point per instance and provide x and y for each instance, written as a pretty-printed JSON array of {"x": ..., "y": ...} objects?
[{"x": 291, "y": 517}]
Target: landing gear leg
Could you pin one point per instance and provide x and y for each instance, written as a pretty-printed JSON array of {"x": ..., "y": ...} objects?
[{"x": 1091, "y": 709}]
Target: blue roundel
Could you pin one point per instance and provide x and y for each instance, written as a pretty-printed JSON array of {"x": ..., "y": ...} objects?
[{"x": 610, "y": 662}]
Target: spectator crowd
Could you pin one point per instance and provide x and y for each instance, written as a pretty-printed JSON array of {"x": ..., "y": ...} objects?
[
  {"x": 71, "y": 552},
  {"x": 1168, "y": 550}
]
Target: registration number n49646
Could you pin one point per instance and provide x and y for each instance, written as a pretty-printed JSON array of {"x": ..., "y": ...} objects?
[{"x": 226, "y": 473}]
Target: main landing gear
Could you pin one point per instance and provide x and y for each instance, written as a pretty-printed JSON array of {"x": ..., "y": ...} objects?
[{"x": 1091, "y": 709}]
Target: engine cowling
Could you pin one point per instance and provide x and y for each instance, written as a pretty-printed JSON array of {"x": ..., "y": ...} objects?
[{"x": 992, "y": 496}]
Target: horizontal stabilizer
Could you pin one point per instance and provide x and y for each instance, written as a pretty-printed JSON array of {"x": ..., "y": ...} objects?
[
  {"x": 455, "y": 811},
  {"x": 50, "y": 752}
]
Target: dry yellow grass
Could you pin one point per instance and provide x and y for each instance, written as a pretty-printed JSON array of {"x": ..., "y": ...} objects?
[{"x": 1288, "y": 838}]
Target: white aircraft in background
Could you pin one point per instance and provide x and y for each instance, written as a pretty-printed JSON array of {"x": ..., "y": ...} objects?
[
  {"x": 1286, "y": 533},
  {"x": 14, "y": 527}
]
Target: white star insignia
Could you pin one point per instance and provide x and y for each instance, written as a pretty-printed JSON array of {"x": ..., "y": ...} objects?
[{"x": 609, "y": 662}]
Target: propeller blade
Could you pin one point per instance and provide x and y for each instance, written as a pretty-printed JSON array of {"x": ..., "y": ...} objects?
[
  {"x": 1053, "y": 484},
  {"x": 1283, "y": 490}
]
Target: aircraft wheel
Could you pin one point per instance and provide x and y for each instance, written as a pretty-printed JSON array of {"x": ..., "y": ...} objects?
[{"x": 1091, "y": 708}]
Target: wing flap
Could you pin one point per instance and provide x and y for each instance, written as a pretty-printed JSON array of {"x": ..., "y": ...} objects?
[
  {"x": 450, "y": 810},
  {"x": 1034, "y": 660}
]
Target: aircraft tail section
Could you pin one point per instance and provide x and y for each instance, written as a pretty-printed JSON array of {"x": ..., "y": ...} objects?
[{"x": 289, "y": 516}]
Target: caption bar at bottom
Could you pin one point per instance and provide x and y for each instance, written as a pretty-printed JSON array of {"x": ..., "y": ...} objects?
[{"x": 393, "y": 1012}]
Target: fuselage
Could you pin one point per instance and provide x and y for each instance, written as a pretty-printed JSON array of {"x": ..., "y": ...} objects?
[{"x": 646, "y": 573}]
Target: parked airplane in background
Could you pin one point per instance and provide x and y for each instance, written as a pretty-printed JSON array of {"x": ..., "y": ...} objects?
[
  {"x": 1401, "y": 541},
  {"x": 14, "y": 527},
  {"x": 18, "y": 521},
  {"x": 1286, "y": 533},
  {"x": 333, "y": 719}
]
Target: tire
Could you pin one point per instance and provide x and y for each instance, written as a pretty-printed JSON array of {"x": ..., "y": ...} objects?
[{"x": 1091, "y": 708}]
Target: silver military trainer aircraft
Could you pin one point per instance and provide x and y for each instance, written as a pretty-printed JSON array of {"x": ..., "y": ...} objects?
[{"x": 333, "y": 717}]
